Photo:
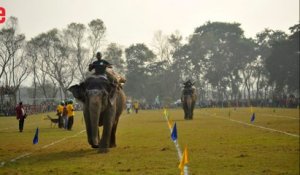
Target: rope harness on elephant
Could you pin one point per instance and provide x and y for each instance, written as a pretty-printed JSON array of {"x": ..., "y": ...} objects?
[{"x": 95, "y": 91}]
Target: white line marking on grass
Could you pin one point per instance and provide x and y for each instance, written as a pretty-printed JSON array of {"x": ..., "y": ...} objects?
[
  {"x": 65, "y": 138},
  {"x": 21, "y": 156},
  {"x": 272, "y": 115},
  {"x": 261, "y": 127},
  {"x": 45, "y": 146},
  {"x": 281, "y": 116}
]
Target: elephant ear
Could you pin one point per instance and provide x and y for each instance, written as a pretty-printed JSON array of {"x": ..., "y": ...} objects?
[{"x": 78, "y": 91}]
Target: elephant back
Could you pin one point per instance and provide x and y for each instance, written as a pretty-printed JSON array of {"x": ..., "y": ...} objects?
[
  {"x": 97, "y": 83},
  {"x": 188, "y": 91}
]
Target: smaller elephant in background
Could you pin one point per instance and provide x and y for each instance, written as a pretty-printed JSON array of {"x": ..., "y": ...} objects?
[{"x": 188, "y": 99}]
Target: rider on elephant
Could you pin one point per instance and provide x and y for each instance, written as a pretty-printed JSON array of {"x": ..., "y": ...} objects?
[
  {"x": 101, "y": 66},
  {"x": 188, "y": 99},
  {"x": 189, "y": 85}
]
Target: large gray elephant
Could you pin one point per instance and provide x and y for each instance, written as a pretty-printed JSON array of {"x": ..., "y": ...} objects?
[
  {"x": 103, "y": 104},
  {"x": 188, "y": 100}
]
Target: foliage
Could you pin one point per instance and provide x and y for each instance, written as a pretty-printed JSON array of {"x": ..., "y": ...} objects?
[
  {"x": 224, "y": 64},
  {"x": 283, "y": 63},
  {"x": 138, "y": 58},
  {"x": 113, "y": 55}
]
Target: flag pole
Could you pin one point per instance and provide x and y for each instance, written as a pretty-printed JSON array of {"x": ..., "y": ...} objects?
[{"x": 185, "y": 169}]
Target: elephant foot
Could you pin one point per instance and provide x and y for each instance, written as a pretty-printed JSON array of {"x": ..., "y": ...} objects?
[
  {"x": 103, "y": 150},
  {"x": 95, "y": 146},
  {"x": 112, "y": 145}
]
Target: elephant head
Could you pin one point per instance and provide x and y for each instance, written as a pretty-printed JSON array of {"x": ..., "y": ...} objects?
[
  {"x": 188, "y": 99},
  {"x": 103, "y": 104}
]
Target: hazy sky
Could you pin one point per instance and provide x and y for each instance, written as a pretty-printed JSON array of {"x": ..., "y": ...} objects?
[{"x": 135, "y": 21}]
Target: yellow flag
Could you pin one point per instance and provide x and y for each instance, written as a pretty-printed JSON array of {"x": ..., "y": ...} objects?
[
  {"x": 170, "y": 123},
  {"x": 251, "y": 109},
  {"x": 165, "y": 112},
  {"x": 184, "y": 160}
]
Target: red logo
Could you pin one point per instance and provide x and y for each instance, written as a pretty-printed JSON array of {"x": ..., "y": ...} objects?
[{"x": 2, "y": 15}]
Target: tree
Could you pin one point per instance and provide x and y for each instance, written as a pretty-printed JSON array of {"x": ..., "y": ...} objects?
[
  {"x": 217, "y": 52},
  {"x": 113, "y": 55},
  {"x": 32, "y": 53},
  {"x": 161, "y": 46},
  {"x": 97, "y": 31},
  {"x": 14, "y": 68},
  {"x": 138, "y": 57},
  {"x": 283, "y": 62},
  {"x": 55, "y": 59},
  {"x": 264, "y": 41},
  {"x": 75, "y": 32}
]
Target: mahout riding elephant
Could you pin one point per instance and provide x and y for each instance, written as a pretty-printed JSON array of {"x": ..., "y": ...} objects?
[
  {"x": 103, "y": 104},
  {"x": 188, "y": 99}
]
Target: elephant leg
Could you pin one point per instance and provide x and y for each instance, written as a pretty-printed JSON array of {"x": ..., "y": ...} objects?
[
  {"x": 88, "y": 127},
  {"x": 192, "y": 110},
  {"x": 108, "y": 120},
  {"x": 189, "y": 107},
  {"x": 113, "y": 134},
  {"x": 185, "y": 110},
  {"x": 186, "y": 113},
  {"x": 94, "y": 115}
]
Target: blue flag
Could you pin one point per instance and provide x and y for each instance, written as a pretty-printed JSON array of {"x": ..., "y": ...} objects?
[
  {"x": 36, "y": 136},
  {"x": 174, "y": 133},
  {"x": 253, "y": 117}
]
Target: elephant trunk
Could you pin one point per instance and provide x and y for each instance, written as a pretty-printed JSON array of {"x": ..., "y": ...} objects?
[
  {"x": 189, "y": 106},
  {"x": 94, "y": 109}
]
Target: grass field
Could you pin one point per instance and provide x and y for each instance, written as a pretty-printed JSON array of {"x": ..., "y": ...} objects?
[{"x": 220, "y": 141}]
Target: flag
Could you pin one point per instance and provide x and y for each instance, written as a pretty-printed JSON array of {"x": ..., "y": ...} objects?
[
  {"x": 253, "y": 117},
  {"x": 166, "y": 112},
  {"x": 184, "y": 160},
  {"x": 251, "y": 108},
  {"x": 36, "y": 136},
  {"x": 174, "y": 133}
]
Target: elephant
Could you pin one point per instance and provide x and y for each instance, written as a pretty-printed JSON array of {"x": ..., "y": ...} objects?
[
  {"x": 188, "y": 99},
  {"x": 103, "y": 103}
]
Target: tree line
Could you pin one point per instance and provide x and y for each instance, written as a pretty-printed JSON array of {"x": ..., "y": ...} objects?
[{"x": 223, "y": 63}]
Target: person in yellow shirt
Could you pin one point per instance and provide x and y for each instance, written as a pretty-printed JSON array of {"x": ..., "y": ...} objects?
[
  {"x": 136, "y": 106},
  {"x": 70, "y": 113},
  {"x": 59, "y": 113}
]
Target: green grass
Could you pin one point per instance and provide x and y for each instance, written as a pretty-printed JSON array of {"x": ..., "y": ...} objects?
[{"x": 216, "y": 144}]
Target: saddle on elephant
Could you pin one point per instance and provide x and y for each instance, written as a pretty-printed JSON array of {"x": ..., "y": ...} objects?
[{"x": 113, "y": 77}]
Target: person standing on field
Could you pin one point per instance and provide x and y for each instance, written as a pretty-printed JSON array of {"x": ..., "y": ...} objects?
[
  {"x": 128, "y": 107},
  {"x": 136, "y": 106},
  {"x": 70, "y": 111},
  {"x": 21, "y": 115},
  {"x": 65, "y": 115},
  {"x": 59, "y": 113}
]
